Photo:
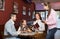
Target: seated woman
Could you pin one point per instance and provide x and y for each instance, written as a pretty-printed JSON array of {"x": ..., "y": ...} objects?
[
  {"x": 24, "y": 28},
  {"x": 38, "y": 24}
]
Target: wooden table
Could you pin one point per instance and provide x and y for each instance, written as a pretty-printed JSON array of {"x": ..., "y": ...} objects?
[{"x": 33, "y": 35}]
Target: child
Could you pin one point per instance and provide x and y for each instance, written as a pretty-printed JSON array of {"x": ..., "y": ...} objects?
[{"x": 24, "y": 28}]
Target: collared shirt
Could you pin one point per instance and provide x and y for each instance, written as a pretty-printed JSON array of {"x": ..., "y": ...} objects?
[
  {"x": 51, "y": 20},
  {"x": 12, "y": 21},
  {"x": 10, "y": 29}
]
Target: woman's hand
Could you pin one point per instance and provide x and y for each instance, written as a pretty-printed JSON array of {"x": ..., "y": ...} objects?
[
  {"x": 44, "y": 22},
  {"x": 29, "y": 30},
  {"x": 35, "y": 22}
]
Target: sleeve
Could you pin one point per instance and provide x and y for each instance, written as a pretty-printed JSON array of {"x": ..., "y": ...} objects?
[
  {"x": 52, "y": 20},
  {"x": 34, "y": 22},
  {"x": 42, "y": 27},
  {"x": 10, "y": 30},
  {"x": 19, "y": 28}
]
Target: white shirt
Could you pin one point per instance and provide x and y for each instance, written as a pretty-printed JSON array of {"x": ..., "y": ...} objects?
[{"x": 41, "y": 25}]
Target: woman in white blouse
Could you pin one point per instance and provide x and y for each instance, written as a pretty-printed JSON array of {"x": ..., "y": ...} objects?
[{"x": 38, "y": 20}]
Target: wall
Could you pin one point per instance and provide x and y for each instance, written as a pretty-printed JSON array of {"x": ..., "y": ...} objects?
[
  {"x": 5, "y": 15},
  {"x": 20, "y": 7}
]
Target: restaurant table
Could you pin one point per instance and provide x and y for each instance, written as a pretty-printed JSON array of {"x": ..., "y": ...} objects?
[{"x": 33, "y": 35}]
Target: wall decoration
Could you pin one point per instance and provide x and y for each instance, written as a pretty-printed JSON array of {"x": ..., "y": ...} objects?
[
  {"x": 24, "y": 10},
  {"x": 2, "y": 4},
  {"x": 29, "y": 12},
  {"x": 33, "y": 14},
  {"x": 15, "y": 7}
]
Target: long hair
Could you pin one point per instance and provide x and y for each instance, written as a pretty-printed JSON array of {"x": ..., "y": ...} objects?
[
  {"x": 39, "y": 16},
  {"x": 49, "y": 6}
]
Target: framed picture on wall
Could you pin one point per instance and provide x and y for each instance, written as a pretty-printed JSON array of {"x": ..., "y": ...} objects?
[
  {"x": 15, "y": 6},
  {"x": 2, "y": 4},
  {"x": 33, "y": 14},
  {"x": 29, "y": 12},
  {"x": 24, "y": 11}
]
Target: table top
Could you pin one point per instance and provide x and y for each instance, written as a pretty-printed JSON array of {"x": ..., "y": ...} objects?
[
  {"x": 30, "y": 34},
  {"x": 34, "y": 35},
  {"x": 26, "y": 34}
]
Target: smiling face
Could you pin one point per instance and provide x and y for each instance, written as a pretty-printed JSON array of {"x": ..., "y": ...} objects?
[{"x": 37, "y": 16}]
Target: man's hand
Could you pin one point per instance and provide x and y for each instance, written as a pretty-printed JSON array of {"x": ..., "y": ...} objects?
[{"x": 18, "y": 32}]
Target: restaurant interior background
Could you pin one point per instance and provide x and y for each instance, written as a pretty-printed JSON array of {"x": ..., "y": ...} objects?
[{"x": 25, "y": 10}]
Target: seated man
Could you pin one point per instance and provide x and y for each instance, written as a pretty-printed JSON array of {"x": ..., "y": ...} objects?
[{"x": 9, "y": 29}]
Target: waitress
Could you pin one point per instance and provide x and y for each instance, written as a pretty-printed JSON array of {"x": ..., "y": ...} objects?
[{"x": 50, "y": 20}]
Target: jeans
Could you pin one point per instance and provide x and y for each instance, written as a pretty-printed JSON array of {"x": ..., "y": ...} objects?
[{"x": 51, "y": 33}]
